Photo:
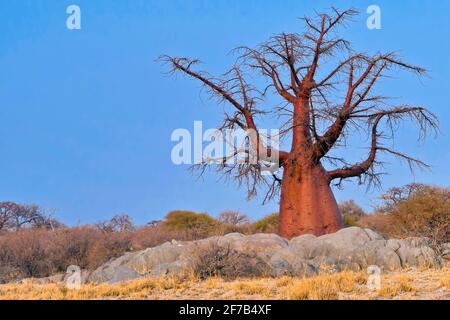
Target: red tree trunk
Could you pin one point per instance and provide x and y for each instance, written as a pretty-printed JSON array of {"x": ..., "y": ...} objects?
[{"x": 307, "y": 205}]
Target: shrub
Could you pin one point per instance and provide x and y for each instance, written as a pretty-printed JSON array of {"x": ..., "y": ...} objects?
[
  {"x": 109, "y": 246},
  {"x": 41, "y": 252},
  {"x": 199, "y": 224},
  {"x": 34, "y": 252},
  {"x": 151, "y": 236},
  {"x": 212, "y": 260},
  {"x": 414, "y": 211},
  {"x": 268, "y": 224},
  {"x": 379, "y": 222},
  {"x": 24, "y": 253}
]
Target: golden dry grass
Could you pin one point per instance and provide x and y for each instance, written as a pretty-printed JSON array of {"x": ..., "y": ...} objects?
[
  {"x": 401, "y": 284},
  {"x": 411, "y": 284}
]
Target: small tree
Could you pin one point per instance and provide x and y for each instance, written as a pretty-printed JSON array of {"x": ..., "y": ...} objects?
[
  {"x": 322, "y": 101},
  {"x": 233, "y": 218},
  {"x": 198, "y": 224},
  {"x": 118, "y": 223},
  {"x": 351, "y": 212}
]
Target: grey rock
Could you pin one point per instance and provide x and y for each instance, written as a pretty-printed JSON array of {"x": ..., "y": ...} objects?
[
  {"x": 373, "y": 235},
  {"x": 348, "y": 249},
  {"x": 303, "y": 239},
  {"x": 138, "y": 264},
  {"x": 415, "y": 252},
  {"x": 110, "y": 275},
  {"x": 286, "y": 262},
  {"x": 376, "y": 253},
  {"x": 356, "y": 248},
  {"x": 170, "y": 269},
  {"x": 445, "y": 249},
  {"x": 143, "y": 262},
  {"x": 234, "y": 235},
  {"x": 261, "y": 244}
]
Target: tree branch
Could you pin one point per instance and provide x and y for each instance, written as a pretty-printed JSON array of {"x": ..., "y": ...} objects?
[
  {"x": 333, "y": 133},
  {"x": 422, "y": 116}
]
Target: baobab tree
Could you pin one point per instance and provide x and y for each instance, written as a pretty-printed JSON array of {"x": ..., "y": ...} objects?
[{"x": 327, "y": 93}]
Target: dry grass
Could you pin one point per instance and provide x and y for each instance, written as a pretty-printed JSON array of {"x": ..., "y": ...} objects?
[
  {"x": 445, "y": 282},
  {"x": 326, "y": 287},
  {"x": 401, "y": 284},
  {"x": 411, "y": 284}
]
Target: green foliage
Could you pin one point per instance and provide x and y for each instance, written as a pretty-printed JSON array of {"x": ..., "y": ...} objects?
[
  {"x": 350, "y": 222},
  {"x": 199, "y": 223},
  {"x": 267, "y": 224}
]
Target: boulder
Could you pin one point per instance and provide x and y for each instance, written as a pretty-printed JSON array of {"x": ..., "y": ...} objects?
[
  {"x": 286, "y": 262},
  {"x": 348, "y": 249},
  {"x": 376, "y": 253},
  {"x": 357, "y": 248},
  {"x": 260, "y": 243},
  {"x": 110, "y": 275},
  {"x": 142, "y": 263},
  {"x": 415, "y": 252}
]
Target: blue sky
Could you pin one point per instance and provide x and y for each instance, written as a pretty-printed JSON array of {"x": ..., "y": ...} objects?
[{"x": 86, "y": 115}]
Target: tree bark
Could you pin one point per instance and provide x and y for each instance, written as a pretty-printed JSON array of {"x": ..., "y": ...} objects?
[{"x": 307, "y": 204}]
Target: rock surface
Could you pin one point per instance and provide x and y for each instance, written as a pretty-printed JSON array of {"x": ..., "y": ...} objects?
[
  {"x": 446, "y": 251},
  {"x": 348, "y": 249}
]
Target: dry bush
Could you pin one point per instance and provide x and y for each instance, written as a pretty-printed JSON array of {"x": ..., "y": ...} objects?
[
  {"x": 152, "y": 236},
  {"x": 212, "y": 260},
  {"x": 73, "y": 246},
  {"x": 35, "y": 251},
  {"x": 108, "y": 246},
  {"x": 41, "y": 252},
  {"x": 379, "y": 222},
  {"x": 24, "y": 253},
  {"x": 86, "y": 247},
  {"x": 413, "y": 211},
  {"x": 233, "y": 221}
]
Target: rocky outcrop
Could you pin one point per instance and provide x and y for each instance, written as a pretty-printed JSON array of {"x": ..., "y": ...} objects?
[{"x": 348, "y": 249}]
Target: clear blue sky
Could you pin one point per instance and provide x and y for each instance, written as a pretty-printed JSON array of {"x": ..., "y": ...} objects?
[{"x": 86, "y": 116}]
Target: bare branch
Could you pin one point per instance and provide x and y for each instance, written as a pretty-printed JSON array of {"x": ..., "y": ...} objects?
[
  {"x": 425, "y": 120},
  {"x": 372, "y": 72}
]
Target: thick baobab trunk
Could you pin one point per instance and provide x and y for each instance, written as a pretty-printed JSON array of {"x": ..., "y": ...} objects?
[{"x": 307, "y": 203}]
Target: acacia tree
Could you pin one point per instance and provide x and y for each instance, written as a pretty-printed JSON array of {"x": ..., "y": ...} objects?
[{"x": 327, "y": 94}]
